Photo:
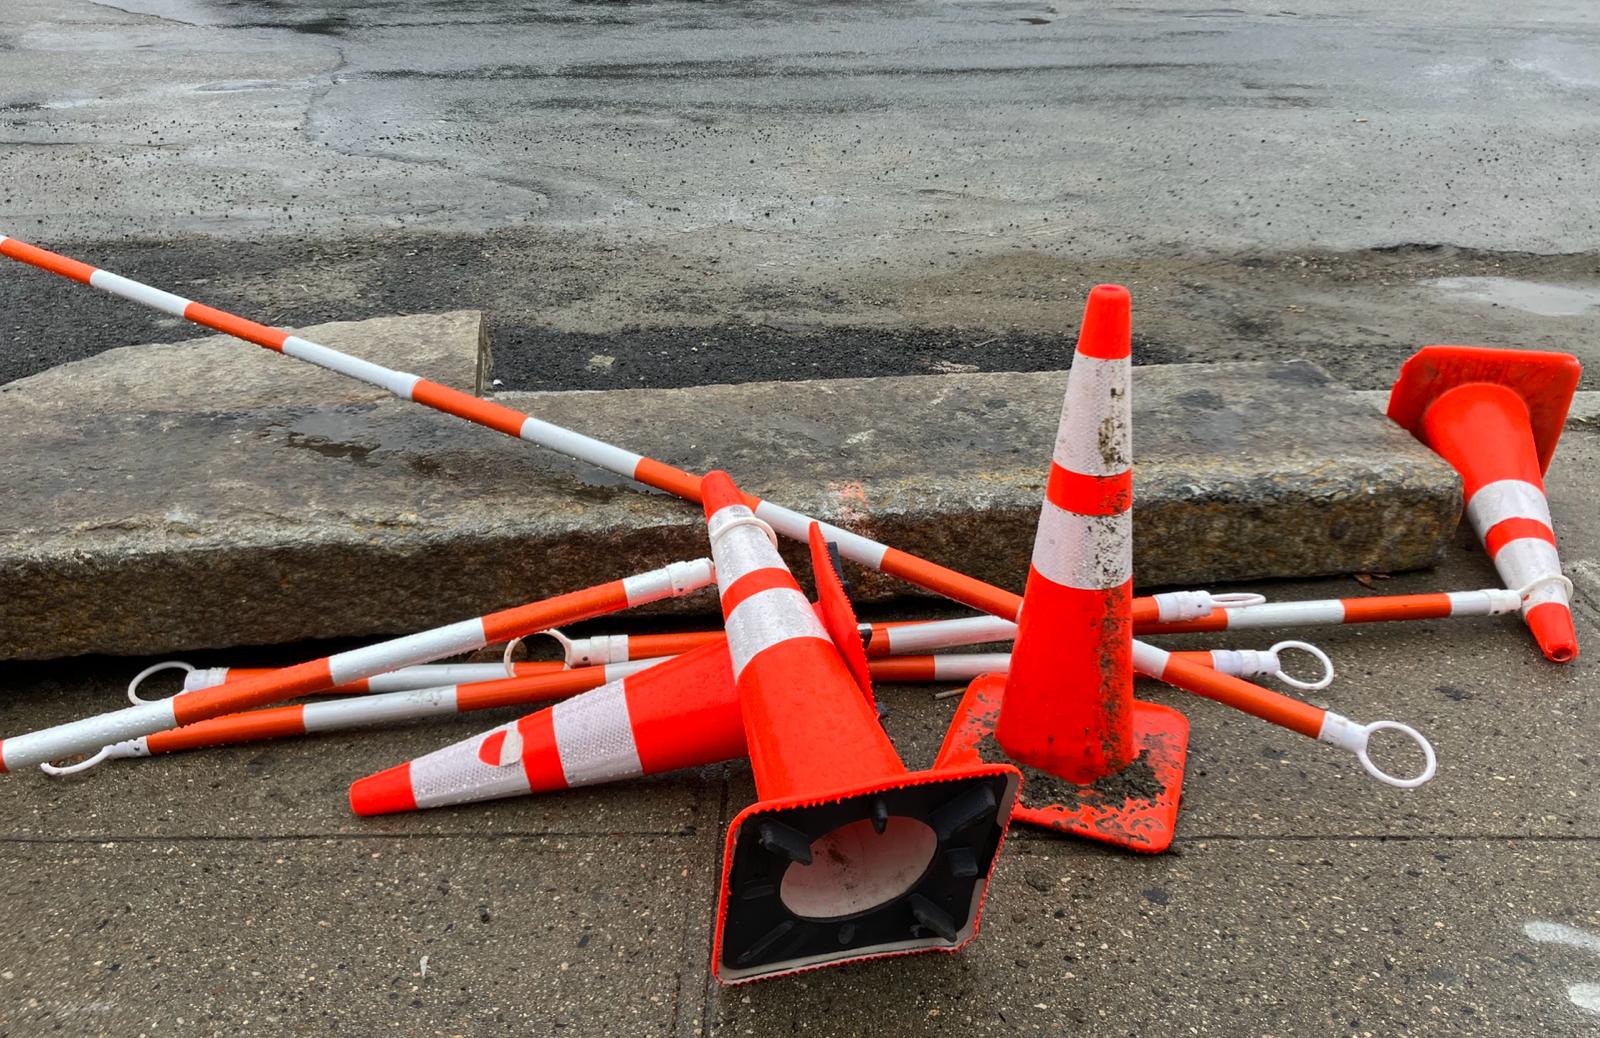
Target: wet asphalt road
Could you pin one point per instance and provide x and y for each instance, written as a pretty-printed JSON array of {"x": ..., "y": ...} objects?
[{"x": 606, "y": 179}]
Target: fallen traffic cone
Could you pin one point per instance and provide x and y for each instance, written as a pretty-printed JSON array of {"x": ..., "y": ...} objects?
[
  {"x": 1067, "y": 709},
  {"x": 847, "y": 855},
  {"x": 1495, "y": 415},
  {"x": 678, "y": 714}
]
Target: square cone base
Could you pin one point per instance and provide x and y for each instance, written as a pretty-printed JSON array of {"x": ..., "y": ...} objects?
[
  {"x": 897, "y": 868},
  {"x": 1544, "y": 380},
  {"x": 1136, "y": 808}
]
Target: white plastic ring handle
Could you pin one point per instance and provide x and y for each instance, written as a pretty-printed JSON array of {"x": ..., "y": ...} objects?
[
  {"x": 745, "y": 520},
  {"x": 1237, "y": 600},
  {"x": 1558, "y": 578},
  {"x": 505, "y": 658},
  {"x": 1288, "y": 679},
  {"x": 561, "y": 639},
  {"x": 1378, "y": 773},
  {"x": 58, "y": 770},
  {"x": 155, "y": 668}
]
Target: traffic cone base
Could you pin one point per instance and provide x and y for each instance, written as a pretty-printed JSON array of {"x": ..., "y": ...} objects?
[
  {"x": 1136, "y": 807},
  {"x": 1495, "y": 416},
  {"x": 891, "y": 869},
  {"x": 1545, "y": 381}
]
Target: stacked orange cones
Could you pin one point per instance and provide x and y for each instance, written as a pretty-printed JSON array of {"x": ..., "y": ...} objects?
[{"x": 847, "y": 855}]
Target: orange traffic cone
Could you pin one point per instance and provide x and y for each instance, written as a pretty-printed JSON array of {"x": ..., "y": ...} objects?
[
  {"x": 847, "y": 855},
  {"x": 678, "y": 714},
  {"x": 1495, "y": 415},
  {"x": 1108, "y": 766}
]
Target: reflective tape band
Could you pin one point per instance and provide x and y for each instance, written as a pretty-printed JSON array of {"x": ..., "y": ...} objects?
[
  {"x": 577, "y": 445},
  {"x": 1286, "y": 614},
  {"x": 1488, "y": 602},
  {"x": 1506, "y": 499},
  {"x": 738, "y": 545},
  {"x": 941, "y": 634},
  {"x": 1096, "y": 388},
  {"x": 1529, "y": 559},
  {"x": 1089, "y": 552},
  {"x": 594, "y": 737},
  {"x": 403, "y": 652},
  {"x": 399, "y": 383},
  {"x": 766, "y": 619},
  {"x": 679, "y": 578},
  {"x": 409, "y": 705},
  {"x": 964, "y": 666},
  {"x": 456, "y": 773},
  {"x": 87, "y": 735},
  {"x": 792, "y": 524},
  {"x": 1149, "y": 660},
  {"x": 116, "y": 284}
]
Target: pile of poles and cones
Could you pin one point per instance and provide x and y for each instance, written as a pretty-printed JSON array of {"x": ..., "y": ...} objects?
[{"x": 847, "y": 853}]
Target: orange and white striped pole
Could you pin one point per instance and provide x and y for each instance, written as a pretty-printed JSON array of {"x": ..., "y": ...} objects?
[
  {"x": 406, "y": 679},
  {"x": 1313, "y": 722},
  {"x": 88, "y": 735},
  {"x": 864, "y": 551},
  {"x": 1495, "y": 416},
  {"x": 897, "y": 637},
  {"x": 1330, "y": 612},
  {"x": 917, "y": 571},
  {"x": 364, "y": 711},
  {"x": 847, "y": 855}
]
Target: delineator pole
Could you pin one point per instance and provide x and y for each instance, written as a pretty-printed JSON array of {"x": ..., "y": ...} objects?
[
  {"x": 1329, "y": 612},
  {"x": 863, "y": 550},
  {"x": 89, "y": 734}
]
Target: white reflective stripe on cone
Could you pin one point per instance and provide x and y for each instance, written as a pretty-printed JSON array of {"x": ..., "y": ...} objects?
[
  {"x": 594, "y": 737},
  {"x": 738, "y": 546},
  {"x": 355, "y": 711},
  {"x": 768, "y": 618},
  {"x": 456, "y": 773},
  {"x": 1527, "y": 559},
  {"x": 1092, "y": 389},
  {"x": 1089, "y": 552},
  {"x": 1507, "y": 499}
]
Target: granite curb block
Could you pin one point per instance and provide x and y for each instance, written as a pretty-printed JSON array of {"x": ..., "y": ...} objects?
[{"x": 257, "y": 517}]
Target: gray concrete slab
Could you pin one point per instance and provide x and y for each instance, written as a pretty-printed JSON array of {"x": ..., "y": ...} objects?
[{"x": 256, "y": 524}]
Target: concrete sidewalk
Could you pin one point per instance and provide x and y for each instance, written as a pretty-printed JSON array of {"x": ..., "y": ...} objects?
[{"x": 230, "y": 891}]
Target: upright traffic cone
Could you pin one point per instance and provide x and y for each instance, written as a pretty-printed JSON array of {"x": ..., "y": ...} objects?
[
  {"x": 1495, "y": 415},
  {"x": 678, "y": 714},
  {"x": 1067, "y": 708},
  {"x": 847, "y": 855}
]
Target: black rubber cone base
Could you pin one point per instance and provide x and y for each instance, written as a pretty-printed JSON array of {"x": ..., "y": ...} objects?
[{"x": 889, "y": 870}]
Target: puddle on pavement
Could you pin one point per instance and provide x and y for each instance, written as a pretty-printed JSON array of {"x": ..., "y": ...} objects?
[{"x": 1534, "y": 297}]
